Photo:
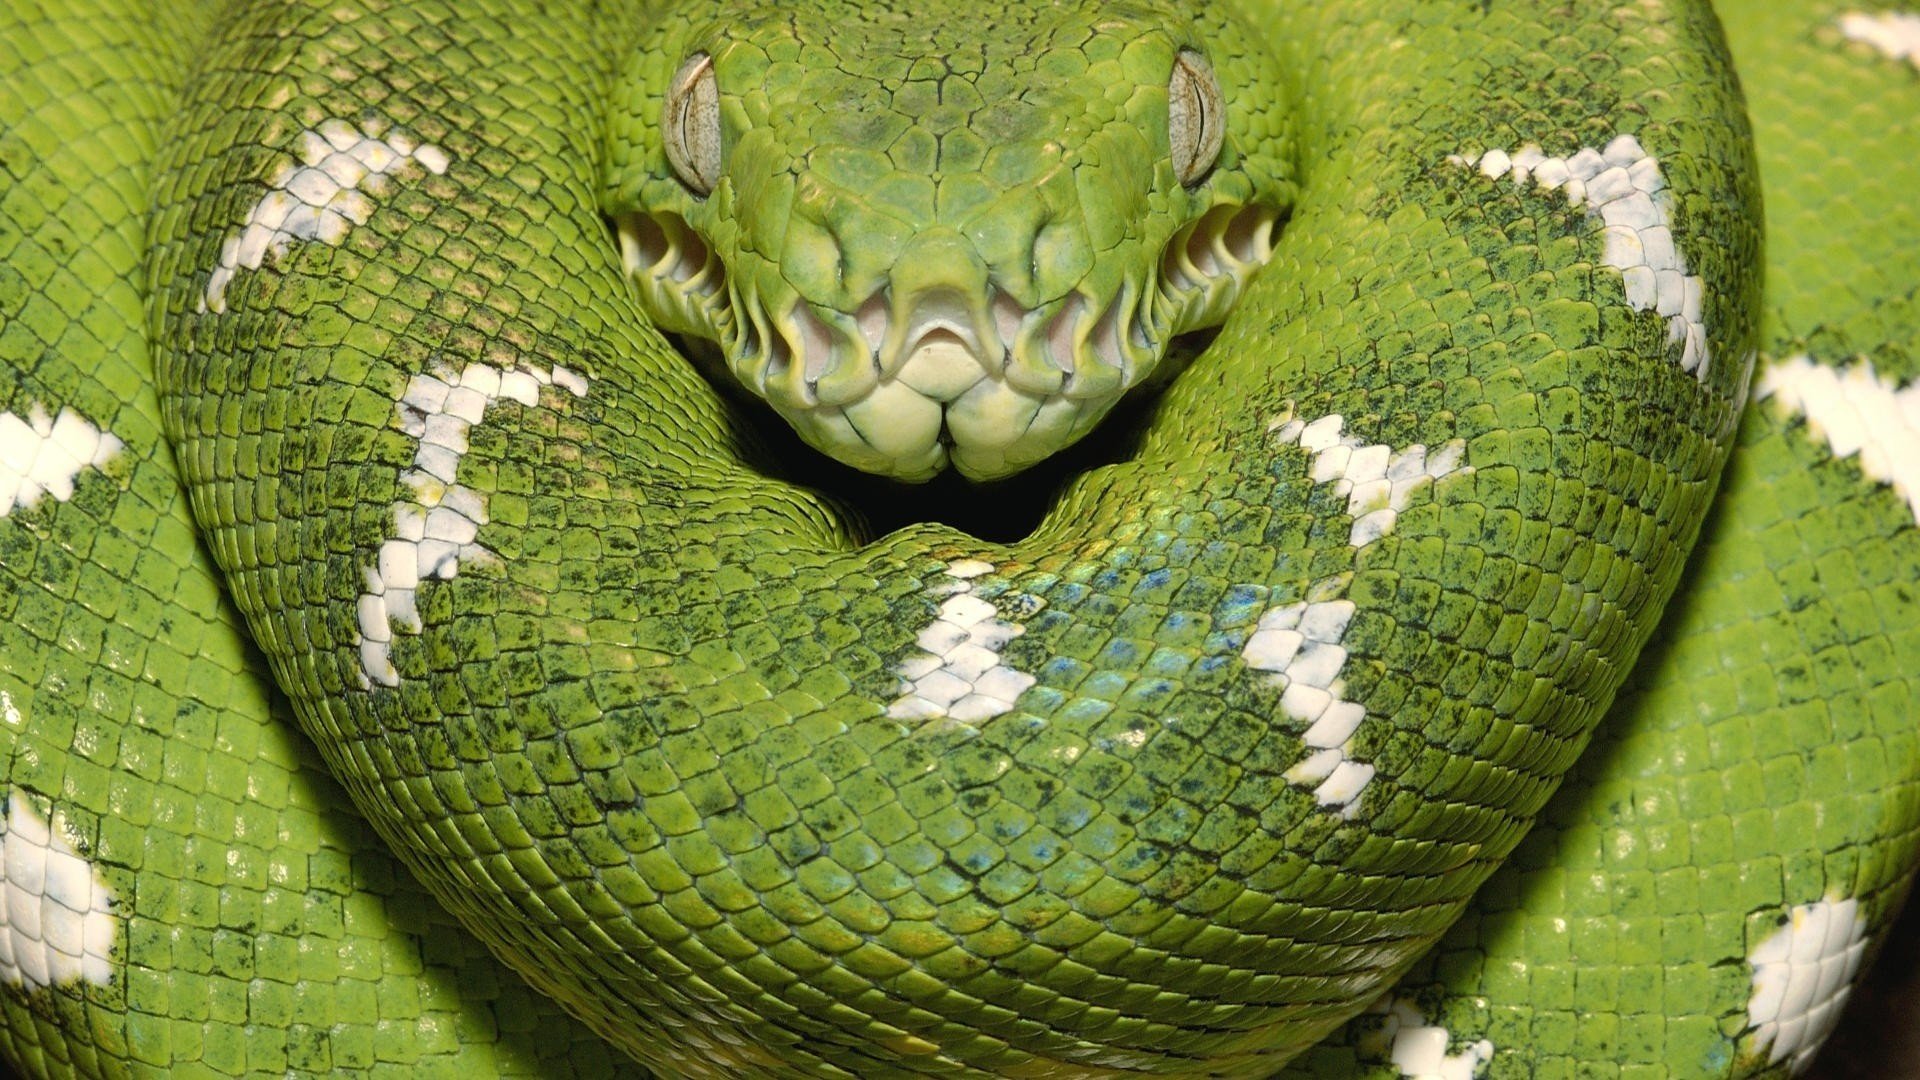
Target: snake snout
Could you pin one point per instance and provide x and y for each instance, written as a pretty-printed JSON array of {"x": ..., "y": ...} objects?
[
  {"x": 967, "y": 376},
  {"x": 942, "y": 364},
  {"x": 941, "y": 348}
]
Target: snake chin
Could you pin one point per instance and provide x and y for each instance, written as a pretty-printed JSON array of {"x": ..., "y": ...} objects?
[{"x": 914, "y": 380}]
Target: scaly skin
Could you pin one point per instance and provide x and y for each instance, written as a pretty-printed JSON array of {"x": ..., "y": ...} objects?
[
  {"x": 1763, "y": 757},
  {"x": 667, "y": 733}
]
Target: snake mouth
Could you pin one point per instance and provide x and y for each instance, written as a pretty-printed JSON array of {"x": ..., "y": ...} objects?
[
  {"x": 907, "y": 382},
  {"x": 679, "y": 276}
]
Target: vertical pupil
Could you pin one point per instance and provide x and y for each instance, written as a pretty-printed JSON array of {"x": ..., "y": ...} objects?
[
  {"x": 688, "y": 124},
  {"x": 1195, "y": 103},
  {"x": 1197, "y": 114}
]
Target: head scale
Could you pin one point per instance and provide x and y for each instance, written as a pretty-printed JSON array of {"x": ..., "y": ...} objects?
[{"x": 942, "y": 238}]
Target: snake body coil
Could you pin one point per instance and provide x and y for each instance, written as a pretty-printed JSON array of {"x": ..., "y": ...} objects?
[{"x": 339, "y": 332}]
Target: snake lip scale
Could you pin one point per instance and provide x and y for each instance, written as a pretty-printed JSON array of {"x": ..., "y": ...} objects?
[{"x": 939, "y": 342}]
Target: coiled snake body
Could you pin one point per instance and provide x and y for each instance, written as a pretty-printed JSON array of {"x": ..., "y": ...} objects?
[{"x": 337, "y": 392}]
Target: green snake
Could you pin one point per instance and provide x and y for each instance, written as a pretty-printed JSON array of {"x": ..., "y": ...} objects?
[{"x": 467, "y": 610}]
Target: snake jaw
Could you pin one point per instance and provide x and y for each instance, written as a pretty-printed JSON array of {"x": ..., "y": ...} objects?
[
  {"x": 681, "y": 279},
  {"x": 925, "y": 374},
  {"x": 1206, "y": 265},
  {"x": 800, "y": 356}
]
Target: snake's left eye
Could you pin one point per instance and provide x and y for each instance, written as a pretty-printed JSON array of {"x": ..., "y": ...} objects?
[
  {"x": 691, "y": 124},
  {"x": 1196, "y": 116}
]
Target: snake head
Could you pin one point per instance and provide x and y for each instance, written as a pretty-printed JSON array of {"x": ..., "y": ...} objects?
[{"x": 963, "y": 259}]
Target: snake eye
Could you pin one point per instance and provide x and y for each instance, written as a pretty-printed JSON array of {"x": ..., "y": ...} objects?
[
  {"x": 1196, "y": 116},
  {"x": 692, "y": 124}
]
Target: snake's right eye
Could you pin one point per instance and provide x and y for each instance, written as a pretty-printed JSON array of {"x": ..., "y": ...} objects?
[
  {"x": 1196, "y": 117},
  {"x": 691, "y": 124}
]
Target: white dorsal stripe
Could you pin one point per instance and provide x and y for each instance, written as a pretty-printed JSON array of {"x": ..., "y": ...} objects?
[
  {"x": 321, "y": 198},
  {"x": 1300, "y": 644},
  {"x": 42, "y": 455},
  {"x": 1377, "y": 479},
  {"x": 437, "y": 530},
  {"x": 1896, "y": 34},
  {"x": 1418, "y": 1049},
  {"x": 1857, "y": 413},
  {"x": 1623, "y": 187},
  {"x": 1802, "y": 974},
  {"x": 56, "y": 920},
  {"x": 957, "y": 675}
]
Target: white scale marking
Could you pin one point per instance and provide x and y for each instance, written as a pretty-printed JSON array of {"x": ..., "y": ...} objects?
[
  {"x": 437, "y": 530},
  {"x": 321, "y": 198},
  {"x": 56, "y": 922},
  {"x": 1376, "y": 479},
  {"x": 1420, "y": 1049},
  {"x": 42, "y": 455},
  {"x": 1802, "y": 974},
  {"x": 1895, "y": 33},
  {"x": 1623, "y": 186},
  {"x": 1858, "y": 413},
  {"x": 1300, "y": 643},
  {"x": 958, "y": 674}
]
